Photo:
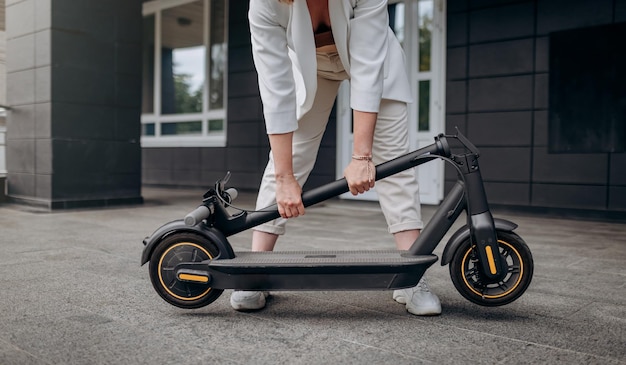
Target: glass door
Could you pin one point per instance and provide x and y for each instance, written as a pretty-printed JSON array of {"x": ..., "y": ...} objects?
[
  {"x": 419, "y": 25},
  {"x": 428, "y": 77}
]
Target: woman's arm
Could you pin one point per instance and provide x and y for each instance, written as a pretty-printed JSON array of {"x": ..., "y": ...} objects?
[
  {"x": 277, "y": 87},
  {"x": 288, "y": 191},
  {"x": 361, "y": 172},
  {"x": 368, "y": 50},
  {"x": 274, "y": 69}
]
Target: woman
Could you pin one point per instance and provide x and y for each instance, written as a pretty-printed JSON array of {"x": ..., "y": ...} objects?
[{"x": 302, "y": 51}]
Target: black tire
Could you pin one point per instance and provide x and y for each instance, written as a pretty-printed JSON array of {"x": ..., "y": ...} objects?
[
  {"x": 468, "y": 279},
  {"x": 172, "y": 250}
]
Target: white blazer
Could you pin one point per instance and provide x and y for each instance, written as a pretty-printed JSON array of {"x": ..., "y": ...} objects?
[{"x": 283, "y": 48}]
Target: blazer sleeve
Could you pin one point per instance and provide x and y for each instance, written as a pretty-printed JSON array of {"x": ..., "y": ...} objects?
[
  {"x": 368, "y": 49},
  {"x": 274, "y": 67}
]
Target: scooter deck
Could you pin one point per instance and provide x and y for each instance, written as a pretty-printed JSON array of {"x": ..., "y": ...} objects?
[
  {"x": 321, "y": 259},
  {"x": 319, "y": 270}
]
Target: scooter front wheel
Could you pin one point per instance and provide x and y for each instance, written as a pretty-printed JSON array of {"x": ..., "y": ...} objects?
[
  {"x": 466, "y": 272},
  {"x": 172, "y": 250}
]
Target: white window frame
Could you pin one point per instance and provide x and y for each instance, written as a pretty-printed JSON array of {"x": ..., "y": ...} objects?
[
  {"x": 3, "y": 167},
  {"x": 206, "y": 138}
]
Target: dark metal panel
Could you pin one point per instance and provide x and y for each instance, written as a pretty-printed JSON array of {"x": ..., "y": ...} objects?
[
  {"x": 617, "y": 198},
  {"x": 456, "y": 67},
  {"x": 555, "y": 15},
  {"x": 569, "y": 196},
  {"x": 501, "y": 58},
  {"x": 457, "y": 34},
  {"x": 500, "y": 129},
  {"x": 503, "y": 22},
  {"x": 456, "y": 96},
  {"x": 569, "y": 168},
  {"x": 505, "y": 193},
  {"x": 505, "y": 164},
  {"x": 501, "y": 93}
]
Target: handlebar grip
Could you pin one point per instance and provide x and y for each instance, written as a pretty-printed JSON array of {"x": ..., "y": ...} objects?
[
  {"x": 231, "y": 194},
  {"x": 195, "y": 217}
]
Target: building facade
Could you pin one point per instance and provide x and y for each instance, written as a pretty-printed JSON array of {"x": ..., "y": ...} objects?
[
  {"x": 521, "y": 77},
  {"x": 3, "y": 99},
  {"x": 107, "y": 97},
  {"x": 73, "y": 74}
]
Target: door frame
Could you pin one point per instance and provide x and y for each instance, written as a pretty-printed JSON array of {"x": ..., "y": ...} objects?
[{"x": 431, "y": 175}]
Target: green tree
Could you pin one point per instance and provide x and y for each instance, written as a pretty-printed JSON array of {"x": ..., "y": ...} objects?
[
  {"x": 187, "y": 100},
  {"x": 425, "y": 42}
]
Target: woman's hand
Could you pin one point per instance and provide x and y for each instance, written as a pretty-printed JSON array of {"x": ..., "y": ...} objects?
[
  {"x": 360, "y": 174},
  {"x": 289, "y": 197},
  {"x": 288, "y": 191}
]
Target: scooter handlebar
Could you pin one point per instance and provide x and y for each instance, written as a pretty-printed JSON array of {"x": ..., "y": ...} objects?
[
  {"x": 200, "y": 213},
  {"x": 231, "y": 194}
]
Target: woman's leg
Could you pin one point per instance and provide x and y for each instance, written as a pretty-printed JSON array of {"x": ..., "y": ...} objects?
[
  {"x": 399, "y": 199},
  {"x": 398, "y": 194},
  {"x": 306, "y": 142}
]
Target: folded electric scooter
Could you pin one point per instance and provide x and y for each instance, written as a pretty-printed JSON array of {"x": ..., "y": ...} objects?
[{"x": 192, "y": 262}]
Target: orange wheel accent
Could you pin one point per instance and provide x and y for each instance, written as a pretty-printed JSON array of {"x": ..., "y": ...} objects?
[
  {"x": 518, "y": 257},
  {"x": 160, "y": 267}
]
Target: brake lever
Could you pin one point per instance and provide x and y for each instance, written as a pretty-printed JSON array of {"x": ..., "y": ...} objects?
[
  {"x": 221, "y": 184},
  {"x": 218, "y": 189}
]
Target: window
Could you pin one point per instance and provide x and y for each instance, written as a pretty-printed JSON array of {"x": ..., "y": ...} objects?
[
  {"x": 421, "y": 23},
  {"x": 184, "y": 73},
  {"x": 587, "y": 91}
]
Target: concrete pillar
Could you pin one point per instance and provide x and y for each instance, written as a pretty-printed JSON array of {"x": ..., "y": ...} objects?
[{"x": 74, "y": 87}]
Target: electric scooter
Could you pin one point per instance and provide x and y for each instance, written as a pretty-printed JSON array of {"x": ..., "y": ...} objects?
[{"x": 192, "y": 262}]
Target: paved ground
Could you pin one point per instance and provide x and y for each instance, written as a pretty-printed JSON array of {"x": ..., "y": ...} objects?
[{"x": 72, "y": 292}]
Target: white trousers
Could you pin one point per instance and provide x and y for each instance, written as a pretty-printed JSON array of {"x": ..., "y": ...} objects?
[{"x": 398, "y": 194}]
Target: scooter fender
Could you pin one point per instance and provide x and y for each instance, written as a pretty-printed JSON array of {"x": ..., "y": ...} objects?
[
  {"x": 178, "y": 226},
  {"x": 464, "y": 232}
]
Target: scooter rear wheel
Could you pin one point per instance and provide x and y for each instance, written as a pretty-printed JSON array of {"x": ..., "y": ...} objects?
[
  {"x": 172, "y": 250},
  {"x": 467, "y": 277}
]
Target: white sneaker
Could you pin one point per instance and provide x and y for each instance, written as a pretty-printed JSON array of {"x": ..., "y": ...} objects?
[
  {"x": 419, "y": 300},
  {"x": 248, "y": 300}
]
